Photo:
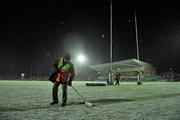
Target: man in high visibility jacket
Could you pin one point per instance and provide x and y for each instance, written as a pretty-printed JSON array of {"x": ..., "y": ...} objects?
[{"x": 64, "y": 74}]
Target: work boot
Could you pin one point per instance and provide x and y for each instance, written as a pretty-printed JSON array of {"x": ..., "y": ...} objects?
[
  {"x": 63, "y": 105},
  {"x": 54, "y": 102}
]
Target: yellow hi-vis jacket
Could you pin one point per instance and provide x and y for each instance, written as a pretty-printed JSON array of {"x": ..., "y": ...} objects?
[
  {"x": 66, "y": 71},
  {"x": 64, "y": 66}
]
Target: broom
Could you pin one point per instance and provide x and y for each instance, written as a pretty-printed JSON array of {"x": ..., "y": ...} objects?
[{"x": 88, "y": 104}]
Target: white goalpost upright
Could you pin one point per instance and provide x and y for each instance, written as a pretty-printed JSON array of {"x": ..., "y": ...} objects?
[
  {"x": 139, "y": 82},
  {"x": 111, "y": 47}
]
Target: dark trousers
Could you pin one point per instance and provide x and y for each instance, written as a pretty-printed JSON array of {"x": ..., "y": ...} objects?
[
  {"x": 55, "y": 92},
  {"x": 117, "y": 82}
]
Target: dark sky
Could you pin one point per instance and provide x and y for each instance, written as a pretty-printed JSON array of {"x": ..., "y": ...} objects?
[{"x": 35, "y": 32}]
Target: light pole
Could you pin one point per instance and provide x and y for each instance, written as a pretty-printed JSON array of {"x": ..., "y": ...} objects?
[
  {"x": 172, "y": 74},
  {"x": 139, "y": 82},
  {"x": 110, "y": 71},
  {"x": 137, "y": 43}
]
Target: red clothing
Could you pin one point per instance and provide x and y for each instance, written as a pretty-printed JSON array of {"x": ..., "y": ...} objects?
[{"x": 63, "y": 77}]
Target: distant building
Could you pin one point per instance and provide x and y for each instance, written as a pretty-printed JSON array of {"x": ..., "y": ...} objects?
[
  {"x": 128, "y": 69},
  {"x": 168, "y": 76}
]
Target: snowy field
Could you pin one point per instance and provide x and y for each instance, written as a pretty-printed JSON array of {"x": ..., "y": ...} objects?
[{"x": 29, "y": 100}]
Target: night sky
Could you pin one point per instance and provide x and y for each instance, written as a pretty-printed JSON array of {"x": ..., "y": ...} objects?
[{"x": 35, "y": 32}]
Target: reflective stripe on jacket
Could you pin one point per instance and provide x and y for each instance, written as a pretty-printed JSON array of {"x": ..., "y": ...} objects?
[{"x": 63, "y": 65}]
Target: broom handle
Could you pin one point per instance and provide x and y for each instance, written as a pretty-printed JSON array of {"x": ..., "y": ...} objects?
[{"x": 78, "y": 93}]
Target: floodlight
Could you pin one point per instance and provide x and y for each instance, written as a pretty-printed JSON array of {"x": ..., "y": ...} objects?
[{"x": 81, "y": 58}]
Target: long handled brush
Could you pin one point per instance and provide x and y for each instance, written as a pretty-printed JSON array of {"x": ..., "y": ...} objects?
[{"x": 88, "y": 104}]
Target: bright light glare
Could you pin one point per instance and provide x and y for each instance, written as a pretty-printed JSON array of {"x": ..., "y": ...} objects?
[{"x": 81, "y": 58}]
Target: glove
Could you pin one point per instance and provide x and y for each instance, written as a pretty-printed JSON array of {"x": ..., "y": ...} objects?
[{"x": 70, "y": 81}]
